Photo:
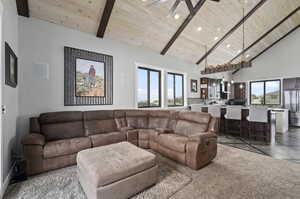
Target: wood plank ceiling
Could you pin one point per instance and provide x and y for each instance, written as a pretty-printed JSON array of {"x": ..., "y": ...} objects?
[{"x": 135, "y": 23}]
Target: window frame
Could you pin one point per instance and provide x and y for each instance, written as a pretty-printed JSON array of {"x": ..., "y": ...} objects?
[
  {"x": 264, "y": 97},
  {"x": 148, "y": 87},
  {"x": 174, "y": 89}
]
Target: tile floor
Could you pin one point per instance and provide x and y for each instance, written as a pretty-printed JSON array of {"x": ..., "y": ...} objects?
[{"x": 287, "y": 145}]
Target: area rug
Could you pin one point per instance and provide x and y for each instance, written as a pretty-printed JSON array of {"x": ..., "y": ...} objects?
[
  {"x": 234, "y": 174},
  {"x": 64, "y": 184}
]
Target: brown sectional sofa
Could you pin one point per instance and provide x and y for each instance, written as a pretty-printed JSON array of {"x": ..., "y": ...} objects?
[{"x": 56, "y": 138}]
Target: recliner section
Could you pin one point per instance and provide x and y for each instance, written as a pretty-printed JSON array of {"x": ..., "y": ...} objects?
[{"x": 55, "y": 138}]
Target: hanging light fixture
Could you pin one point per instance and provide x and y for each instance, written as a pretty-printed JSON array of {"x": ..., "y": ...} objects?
[{"x": 230, "y": 66}]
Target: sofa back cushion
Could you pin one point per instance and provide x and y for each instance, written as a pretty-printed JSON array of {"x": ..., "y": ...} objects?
[
  {"x": 34, "y": 125},
  {"x": 97, "y": 122},
  {"x": 120, "y": 118},
  {"x": 190, "y": 123},
  {"x": 158, "y": 119},
  {"x": 173, "y": 120},
  {"x": 137, "y": 119},
  {"x": 61, "y": 125}
]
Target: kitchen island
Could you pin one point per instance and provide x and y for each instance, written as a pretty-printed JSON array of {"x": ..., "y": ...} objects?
[{"x": 264, "y": 132}]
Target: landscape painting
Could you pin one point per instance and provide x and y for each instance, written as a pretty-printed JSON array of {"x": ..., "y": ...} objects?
[{"x": 90, "y": 78}]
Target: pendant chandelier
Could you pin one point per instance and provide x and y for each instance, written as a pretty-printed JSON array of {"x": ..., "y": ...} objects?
[{"x": 230, "y": 66}]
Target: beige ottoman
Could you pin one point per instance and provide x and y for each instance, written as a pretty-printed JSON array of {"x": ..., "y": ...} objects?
[{"x": 116, "y": 171}]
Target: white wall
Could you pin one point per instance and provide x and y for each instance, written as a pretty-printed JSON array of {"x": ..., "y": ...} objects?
[
  {"x": 280, "y": 61},
  {"x": 9, "y": 94},
  {"x": 43, "y": 42}
]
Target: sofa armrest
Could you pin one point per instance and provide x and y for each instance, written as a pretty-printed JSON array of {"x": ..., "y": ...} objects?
[
  {"x": 201, "y": 149},
  {"x": 214, "y": 125},
  {"x": 202, "y": 137},
  {"x": 33, "y": 139},
  {"x": 164, "y": 130}
]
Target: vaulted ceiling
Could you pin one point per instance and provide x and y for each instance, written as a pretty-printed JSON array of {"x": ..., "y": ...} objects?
[{"x": 215, "y": 25}]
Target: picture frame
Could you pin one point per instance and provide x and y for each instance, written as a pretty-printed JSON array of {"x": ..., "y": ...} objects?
[
  {"x": 194, "y": 86},
  {"x": 11, "y": 67},
  {"x": 88, "y": 78}
]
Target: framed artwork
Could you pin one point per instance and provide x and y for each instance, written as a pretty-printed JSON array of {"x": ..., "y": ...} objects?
[
  {"x": 11, "y": 67},
  {"x": 88, "y": 78},
  {"x": 194, "y": 86}
]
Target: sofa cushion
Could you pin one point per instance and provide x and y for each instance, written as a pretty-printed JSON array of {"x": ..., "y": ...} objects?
[
  {"x": 98, "y": 115},
  {"x": 96, "y": 122},
  {"x": 99, "y": 126},
  {"x": 107, "y": 138},
  {"x": 137, "y": 119},
  {"x": 173, "y": 142},
  {"x": 197, "y": 117},
  {"x": 116, "y": 162},
  {"x": 158, "y": 119},
  {"x": 120, "y": 118},
  {"x": 187, "y": 128},
  {"x": 61, "y": 125},
  {"x": 144, "y": 134},
  {"x": 66, "y": 147},
  {"x": 173, "y": 120}
]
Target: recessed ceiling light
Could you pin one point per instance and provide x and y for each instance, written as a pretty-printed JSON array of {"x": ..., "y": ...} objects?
[
  {"x": 228, "y": 45},
  {"x": 176, "y": 16},
  {"x": 247, "y": 56},
  {"x": 239, "y": 51},
  {"x": 199, "y": 28},
  {"x": 216, "y": 38},
  {"x": 144, "y": 0}
]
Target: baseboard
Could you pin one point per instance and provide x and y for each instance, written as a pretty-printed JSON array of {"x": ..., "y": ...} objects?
[{"x": 6, "y": 181}]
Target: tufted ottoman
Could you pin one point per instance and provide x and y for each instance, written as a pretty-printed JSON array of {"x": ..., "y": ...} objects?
[{"x": 116, "y": 171}]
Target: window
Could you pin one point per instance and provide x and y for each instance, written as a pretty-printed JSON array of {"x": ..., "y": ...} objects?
[
  {"x": 175, "y": 89},
  {"x": 265, "y": 92},
  {"x": 149, "y": 88}
]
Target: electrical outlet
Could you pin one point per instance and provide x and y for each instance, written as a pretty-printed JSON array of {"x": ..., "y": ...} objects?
[{"x": 3, "y": 109}]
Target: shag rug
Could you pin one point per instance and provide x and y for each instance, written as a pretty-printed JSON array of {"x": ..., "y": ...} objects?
[
  {"x": 234, "y": 174},
  {"x": 64, "y": 184}
]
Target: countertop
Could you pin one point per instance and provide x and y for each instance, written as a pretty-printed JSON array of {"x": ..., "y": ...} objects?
[{"x": 243, "y": 107}]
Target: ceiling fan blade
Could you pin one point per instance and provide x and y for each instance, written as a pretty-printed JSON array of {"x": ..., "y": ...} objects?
[
  {"x": 174, "y": 7},
  {"x": 216, "y": 0}
]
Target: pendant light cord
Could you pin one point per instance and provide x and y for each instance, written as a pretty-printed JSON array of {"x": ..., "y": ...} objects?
[{"x": 243, "y": 56}]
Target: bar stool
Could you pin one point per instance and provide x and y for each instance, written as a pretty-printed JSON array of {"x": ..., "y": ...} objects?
[
  {"x": 257, "y": 115},
  {"x": 215, "y": 111},
  {"x": 233, "y": 113}
]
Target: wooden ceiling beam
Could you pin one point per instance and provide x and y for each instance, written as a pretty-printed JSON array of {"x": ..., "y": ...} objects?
[
  {"x": 23, "y": 8},
  {"x": 267, "y": 33},
  {"x": 105, "y": 17},
  {"x": 183, "y": 26},
  {"x": 273, "y": 44},
  {"x": 232, "y": 30},
  {"x": 190, "y": 5}
]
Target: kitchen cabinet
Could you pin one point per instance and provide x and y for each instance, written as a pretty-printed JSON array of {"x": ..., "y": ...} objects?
[
  {"x": 297, "y": 83},
  {"x": 224, "y": 89},
  {"x": 204, "y": 88},
  {"x": 291, "y": 84},
  {"x": 239, "y": 91},
  {"x": 210, "y": 88}
]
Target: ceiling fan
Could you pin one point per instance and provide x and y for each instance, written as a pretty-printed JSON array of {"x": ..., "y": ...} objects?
[{"x": 175, "y": 5}]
